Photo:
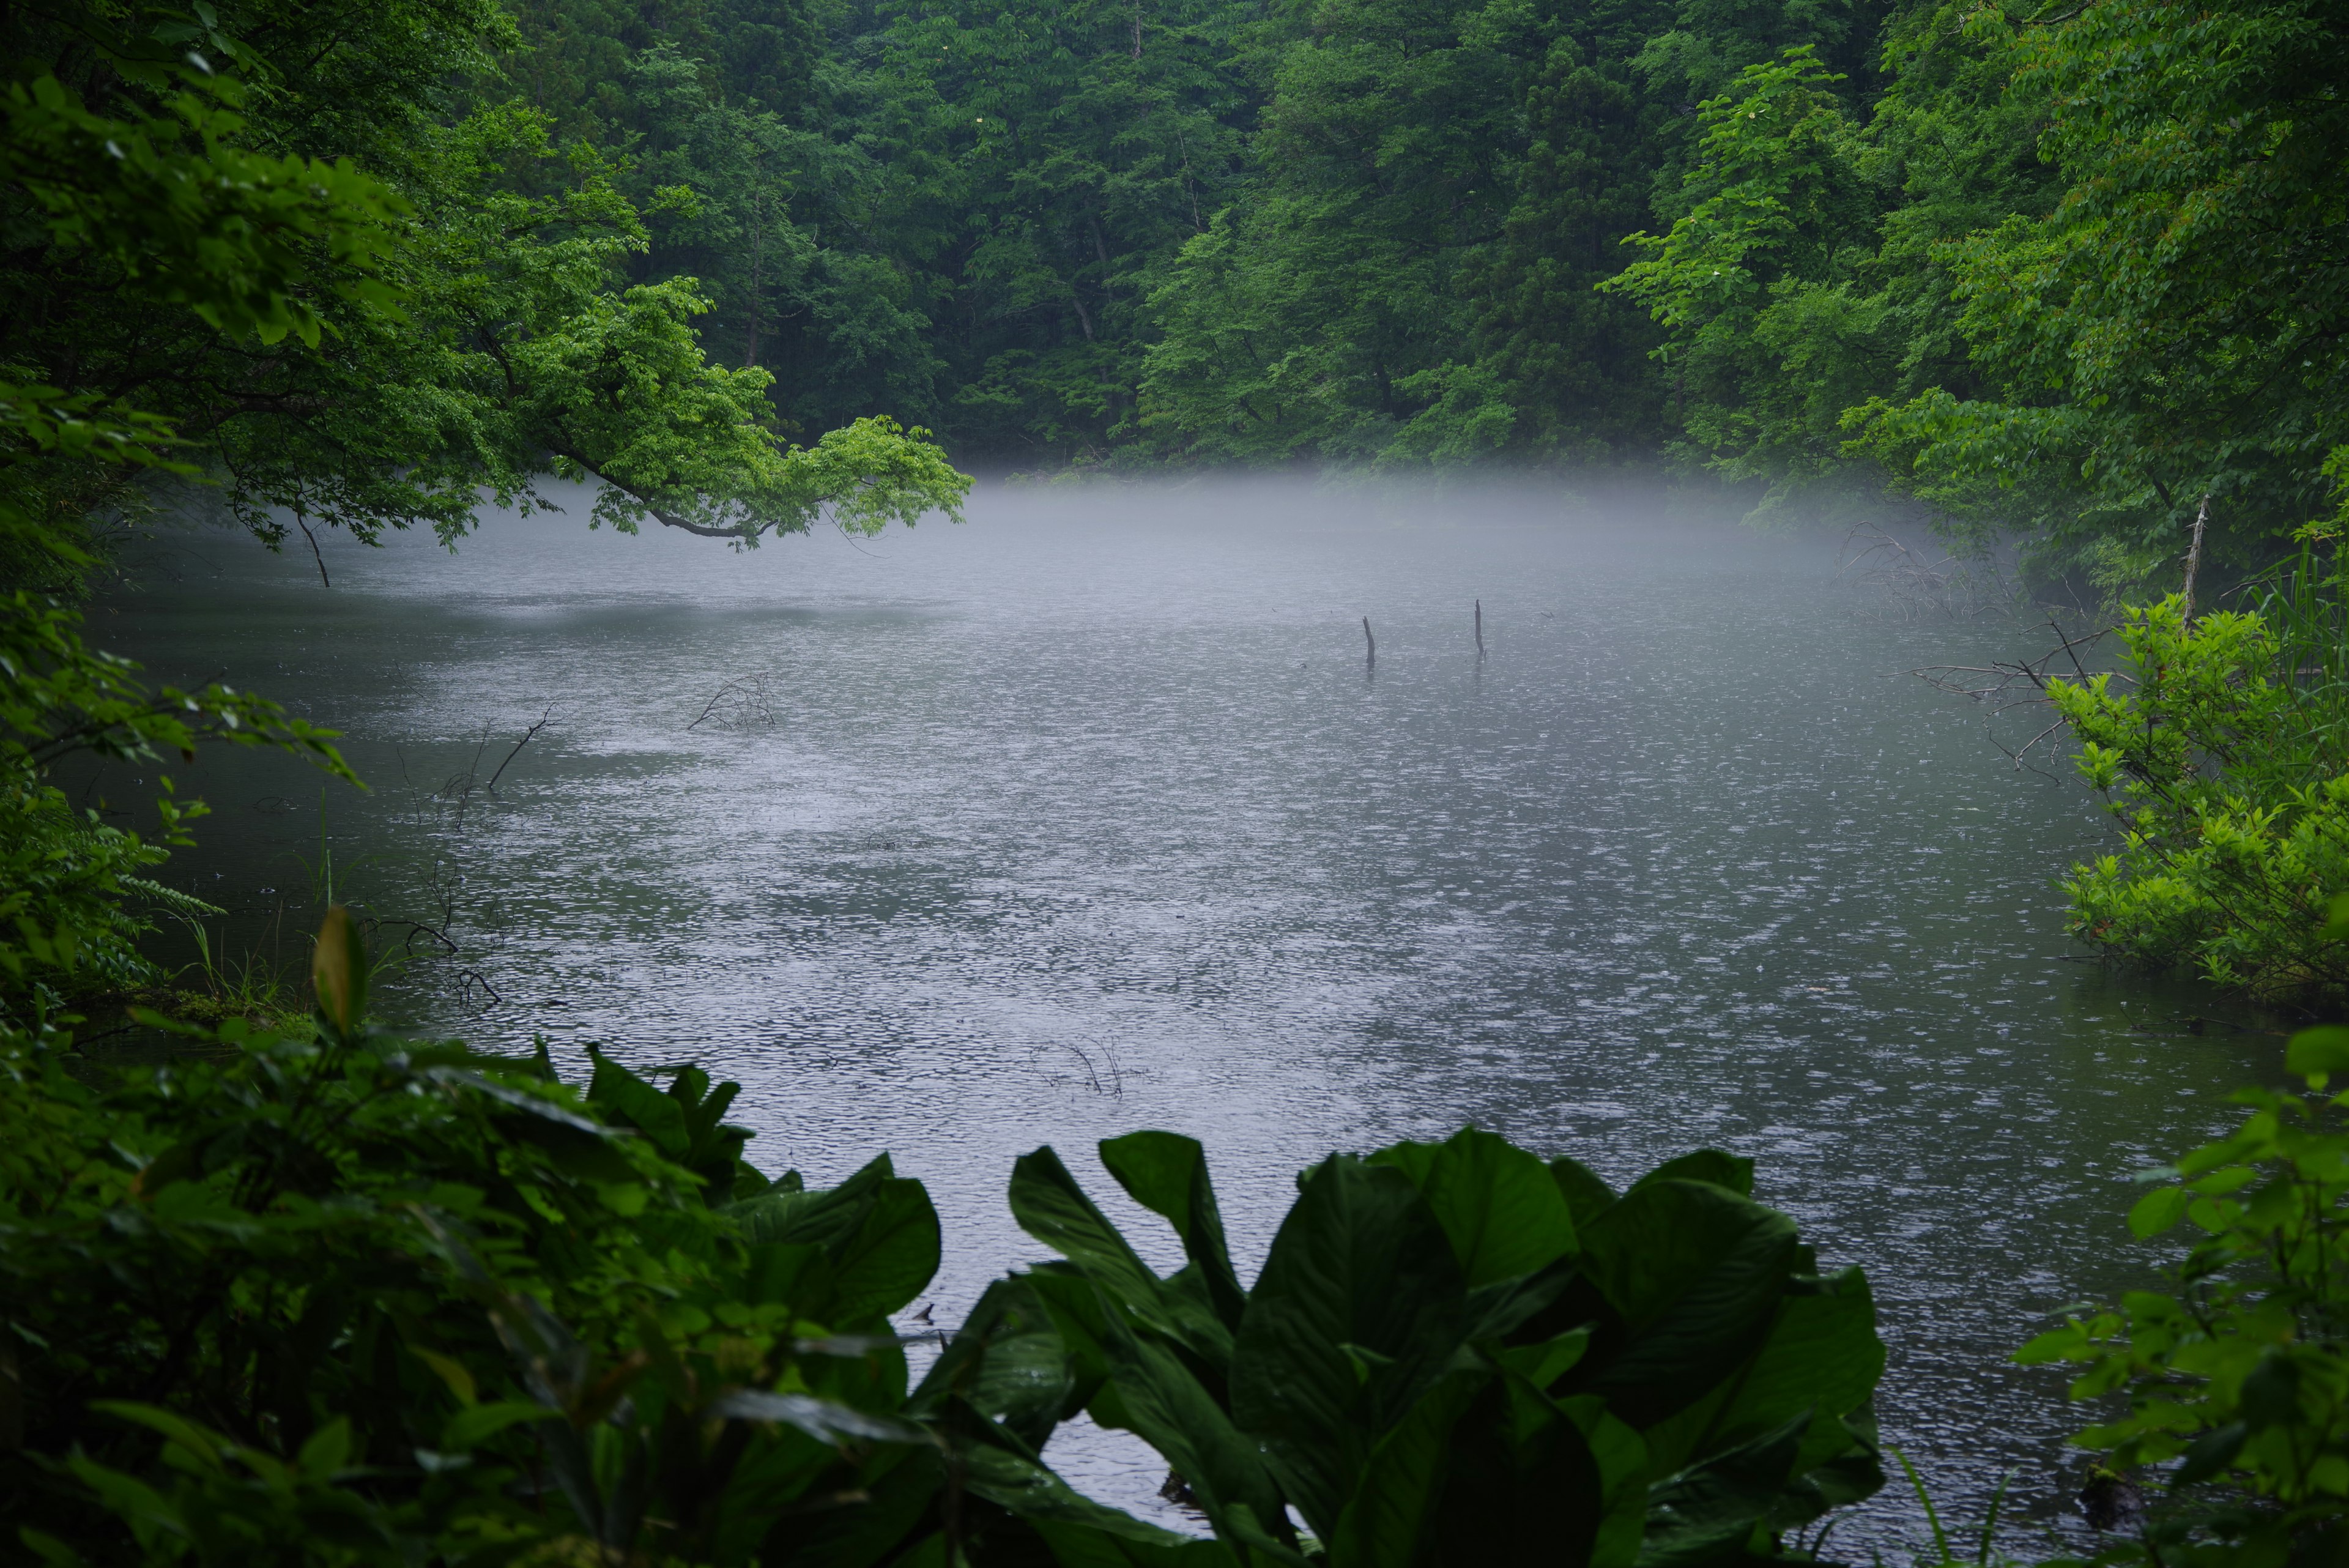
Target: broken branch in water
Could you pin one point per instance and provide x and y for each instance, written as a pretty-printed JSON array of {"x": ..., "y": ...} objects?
[
  {"x": 739, "y": 704},
  {"x": 2005, "y": 684},
  {"x": 2194, "y": 556},
  {"x": 525, "y": 740}
]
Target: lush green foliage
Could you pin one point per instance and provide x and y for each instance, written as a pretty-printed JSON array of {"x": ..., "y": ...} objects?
[
  {"x": 364, "y": 349},
  {"x": 2082, "y": 350},
  {"x": 2069, "y": 275},
  {"x": 2064, "y": 274},
  {"x": 2239, "y": 1371},
  {"x": 358, "y": 1301},
  {"x": 2218, "y": 747},
  {"x": 73, "y": 899},
  {"x": 1456, "y": 1353},
  {"x": 2172, "y": 330}
]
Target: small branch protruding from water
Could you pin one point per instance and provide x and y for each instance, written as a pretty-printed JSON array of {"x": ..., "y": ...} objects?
[
  {"x": 742, "y": 703},
  {"x": 525, "y": 740},
  {"x": 1371, "y": 660},
  {"x": 1480, "y": 629}
]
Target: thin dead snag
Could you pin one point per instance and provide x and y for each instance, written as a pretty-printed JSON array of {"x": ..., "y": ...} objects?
[
  {"x": 526, "y": 738},
  {"x": 2003, "y": 686},
  {"x": 2194, "y": 555},
  {"x": 745, "y": 703}
]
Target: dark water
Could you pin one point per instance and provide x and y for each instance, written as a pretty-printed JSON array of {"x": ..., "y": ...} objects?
[{"x": 1088, "y": 817}]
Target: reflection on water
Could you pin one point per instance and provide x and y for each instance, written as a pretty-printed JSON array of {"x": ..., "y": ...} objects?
[{"x": 1088, "y": 817}]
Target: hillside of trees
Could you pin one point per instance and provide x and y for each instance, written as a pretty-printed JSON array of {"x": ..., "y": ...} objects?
[{"x": 2061, "y": 273}]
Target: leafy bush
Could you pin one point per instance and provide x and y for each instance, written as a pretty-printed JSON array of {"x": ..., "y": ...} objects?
[
  {"x": 2238, "y": 1374},
  {"x": 1458, "y": 1354},
  {"x": 2225, "y": 768},
  {"x": 399, "y": 1303},
  {"x": 73, "y": 897}
]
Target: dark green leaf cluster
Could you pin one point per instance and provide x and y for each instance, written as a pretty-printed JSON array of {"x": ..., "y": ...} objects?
[
  {"x": 2236, "y": 1377},
  {"x": 74, "y": 893},
  {"x": 392, "y": 1304},
  {"x": 1458, "y": 1354}
]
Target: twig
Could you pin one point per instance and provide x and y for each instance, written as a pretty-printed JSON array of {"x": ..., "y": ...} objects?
[
  {"x": 752, "y": 704},
  {"x": 2068, "y": 648},
  {"x": 525, "y": 740},
  {"x": 315, "y": 554}
]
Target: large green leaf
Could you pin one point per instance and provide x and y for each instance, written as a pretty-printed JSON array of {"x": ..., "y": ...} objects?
[
  {"x": 1524, "y": 1483},
  {"x": 776, "y": 1273},
  {"x": 1504, "y": 1306},
  {"x": 1498, "y": 1205},
  {"x": 1008, "y": 1362},
  {"x": 1705, "y": 1514},
  {"x": 1733, "y": 1171},
  {"x": 1359, "y": 1308},
  {"x": 1622, "y": 1462},
  {"x": 1026, "y": 1488},
  {"x": 620, "y": 1092},
  {"x": 1821, "y": 1353},
  {"x": 1587, "y": 1195},
  {"x": 1167, "y": 1174},
  {"x": 878, "y": 1233},
  {"x": 889, "y": 1258},
  {"x": 1050, "y": 1206},
  {"x": 1152, "y": 1393},
  {"x": 796, "y": 1217},
  {"x": 1386, "y": 1520},
  {"x": 1082, "y": 1318},
  {"x": 1696, "y": 1272}
]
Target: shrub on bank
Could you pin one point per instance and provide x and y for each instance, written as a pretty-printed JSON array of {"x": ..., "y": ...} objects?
[
  {"x": 359, "y": 1301},
  {"x": 2235, "y": 1377},
  {"x": 2221, "y": 755}
]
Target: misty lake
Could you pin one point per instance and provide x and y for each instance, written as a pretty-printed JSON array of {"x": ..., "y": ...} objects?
[{"x": 1088, "y": 817}]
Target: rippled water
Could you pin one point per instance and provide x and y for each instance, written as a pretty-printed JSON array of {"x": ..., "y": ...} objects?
[{"x": 1088, "y": 816}]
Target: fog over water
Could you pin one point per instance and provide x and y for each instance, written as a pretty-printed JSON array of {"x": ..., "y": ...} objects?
[{"x": 1088, "y": 816}]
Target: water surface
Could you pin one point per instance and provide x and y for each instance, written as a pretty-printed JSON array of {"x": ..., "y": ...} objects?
[{"x": 1088, "y": 817}]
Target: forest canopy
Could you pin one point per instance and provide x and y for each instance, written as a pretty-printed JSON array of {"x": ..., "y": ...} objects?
[
  {"x": 2066, "y": 273},
  {"x": 2062, "y": 273}
]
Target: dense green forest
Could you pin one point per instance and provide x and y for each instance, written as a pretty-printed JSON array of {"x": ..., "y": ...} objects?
[
  {"x": 2060, "y": 278},
  {"x": 2054, "y": 277}
]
